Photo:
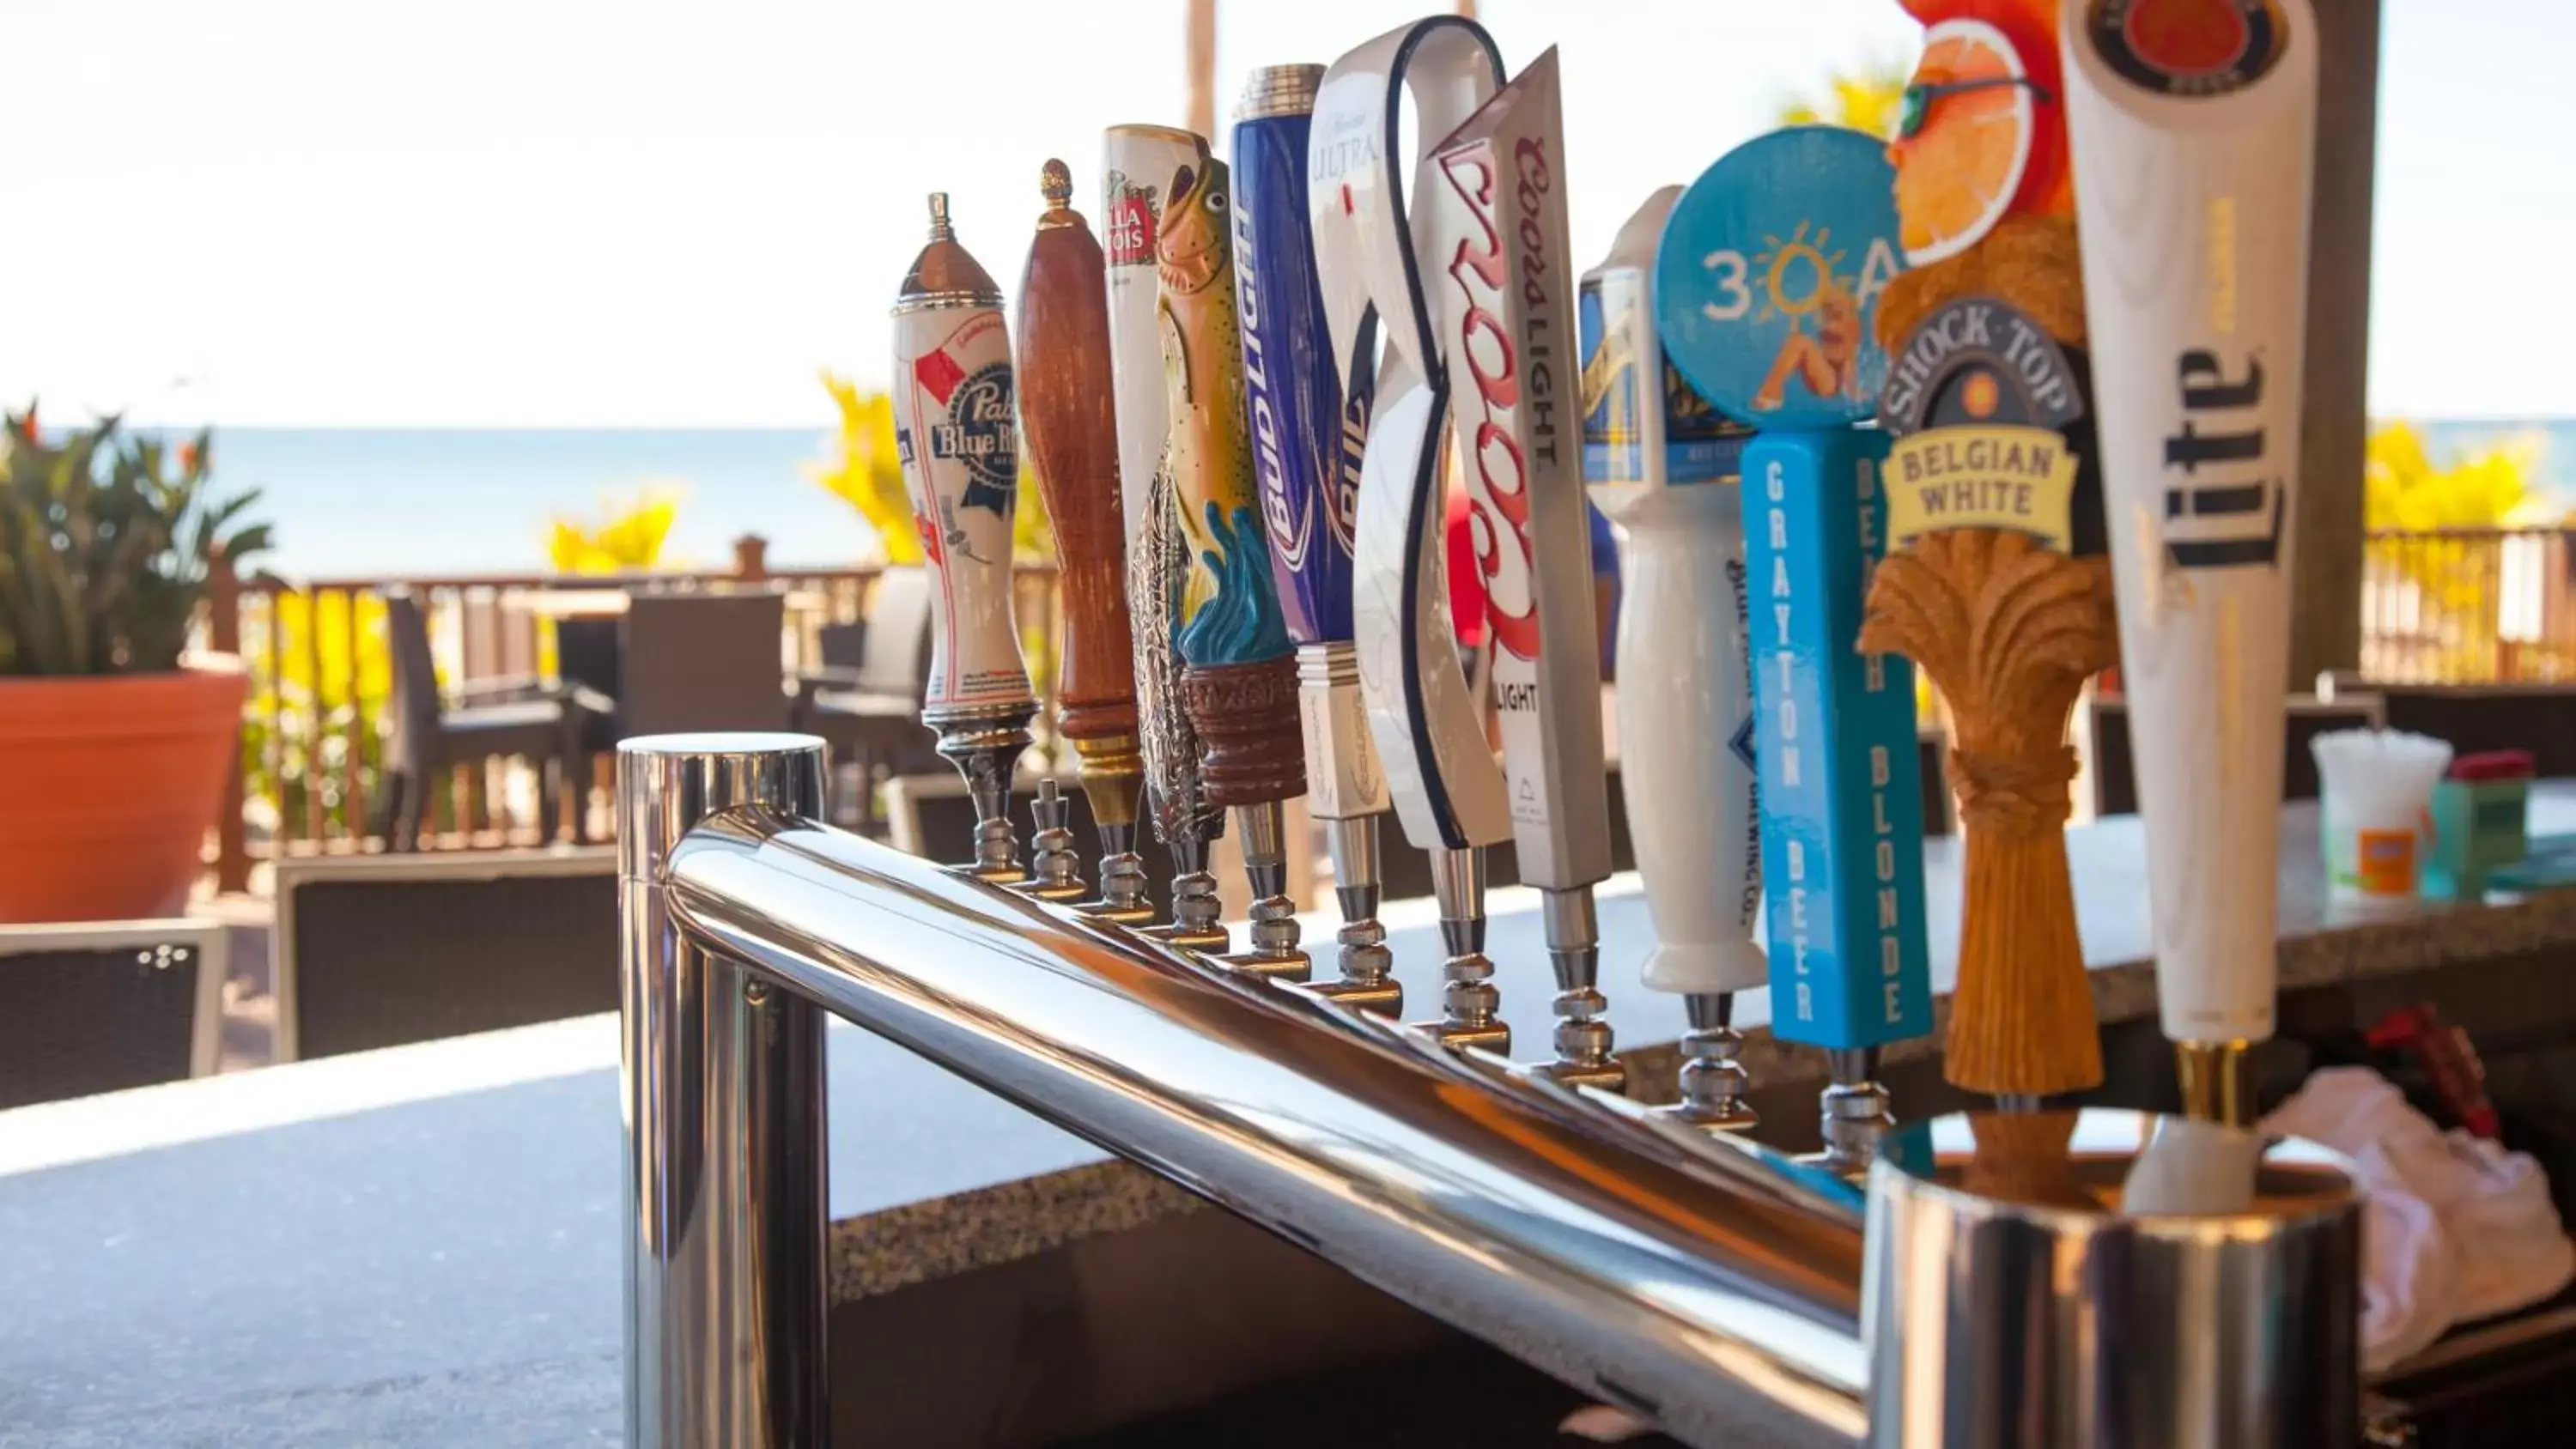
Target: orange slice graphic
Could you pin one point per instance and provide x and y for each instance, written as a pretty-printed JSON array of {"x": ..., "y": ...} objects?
[{"x": 1956, "y": 177}]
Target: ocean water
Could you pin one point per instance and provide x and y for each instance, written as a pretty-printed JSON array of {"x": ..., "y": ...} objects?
[
  {"x": 364, "y": 501},
  {"x": 360, "y": 501}
]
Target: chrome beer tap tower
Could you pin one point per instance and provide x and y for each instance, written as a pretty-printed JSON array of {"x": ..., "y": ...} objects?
[{"x": 1245, "y": 400}]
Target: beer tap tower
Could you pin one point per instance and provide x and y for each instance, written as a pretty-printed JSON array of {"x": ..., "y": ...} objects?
[
  {"x": 955, "y": 432},
  {"x": 1373, "y": 263},
  {"x": 2194, "y": 150},
  {"x": 1068, "y": 414},
  {"x": 1765, "y": 284},
  {"x": 1137, "y": 167},
  {"x": 1506, "y": 294},
  {"x": 1239, "y": 673},
  {"x": 1307, "y": 442},
  {"x": 1664, "y": 466}
]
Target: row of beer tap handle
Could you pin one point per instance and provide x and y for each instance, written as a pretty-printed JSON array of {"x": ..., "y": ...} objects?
[{"x": 1247, "y": 393}]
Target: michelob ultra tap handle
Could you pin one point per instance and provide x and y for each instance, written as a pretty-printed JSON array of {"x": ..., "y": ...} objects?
[
  {"x": 1506, "y": 295},
  {"x": 2193, "y": 145},
  {"x": 957, "y": 435},
  {"x": 1426, "y": 721},
  {"x": 1765, "y": 283},
  {"x": 1663, "y": 466}
]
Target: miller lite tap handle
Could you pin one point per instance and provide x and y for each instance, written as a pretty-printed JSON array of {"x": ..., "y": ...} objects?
[
  {"x": 1374, "y": 271},
  {"x": 2194, "y": 144},
  {"x": 1239, "y": 670},
  {"x": 1068, "y": 418},
  {"x": 1996, "y": 585}
]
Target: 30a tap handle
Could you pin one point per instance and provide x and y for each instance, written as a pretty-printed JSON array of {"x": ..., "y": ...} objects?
[{"x": 1069, "y": 420}]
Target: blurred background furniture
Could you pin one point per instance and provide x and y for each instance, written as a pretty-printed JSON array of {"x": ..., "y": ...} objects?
[
  {"x": 2115, "y": 785},
  {"x": 100, "y": 1006},
  {"x": 869, "y": 712},
  {"x": 379, "y": 950},
  {"x": 2540, "y": 718},
  {"x": 703, "y": 661},
  {"x": 540, "y": 721}
]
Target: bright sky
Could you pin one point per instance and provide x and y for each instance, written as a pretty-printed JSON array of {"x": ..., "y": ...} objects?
[{"x": 640, "y": 212}]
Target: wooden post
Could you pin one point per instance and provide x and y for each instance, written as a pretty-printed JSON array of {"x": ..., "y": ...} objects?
[
  {"x": 223, "y": 635},
  {"x": 2325, "y": 589},
  {"x": 751, "y": 558},
  {"x": 1202, "y": 64}
]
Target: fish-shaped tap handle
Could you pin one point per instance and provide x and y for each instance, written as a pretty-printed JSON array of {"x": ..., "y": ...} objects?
[{"x": 1239, "y": 671}]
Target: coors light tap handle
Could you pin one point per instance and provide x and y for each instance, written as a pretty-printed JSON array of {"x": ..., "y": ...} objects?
[
  {"x": 955, "y": 433},
  {"x": 1506, "y": 294},
  {"x": 1374, "y": 264},
  {"x": 1766, "y": 283},
  {"x": 1306, "y": 442},
  {"x": 2194, "y": 143},
  {"x": 1239, "y": 673},
  {"x": 1137, "y": 166},
  {"x": 1663, "y": 465},
  {"x": 1068, "y": 415}
]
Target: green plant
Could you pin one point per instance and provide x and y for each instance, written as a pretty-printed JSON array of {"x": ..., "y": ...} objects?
[{"x": 106, "y": 548}]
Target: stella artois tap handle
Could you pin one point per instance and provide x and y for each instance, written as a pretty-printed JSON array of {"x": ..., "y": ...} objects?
[
  {"x": 1769, "y": 272},
  {"x": 1137, "y": 167},
  {"x": 1506, "y": 295},
  {"x": 1238, "y": 669},
  {"x": 1373, "y": 262},
  {"x": 1068, "y": 415},
  {"x": 1307, "y": 441},
  {"x": 1995, "y": 584},
  {"x": 1664, "y": 465},
  {"x": 955, "y": 432},
  {"x": 2194, "y": 148}
]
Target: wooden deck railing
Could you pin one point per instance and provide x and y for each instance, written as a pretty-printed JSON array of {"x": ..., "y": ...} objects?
[
  {"x": 320, "y": 683},
  {"x": 2469, "y": 606}
]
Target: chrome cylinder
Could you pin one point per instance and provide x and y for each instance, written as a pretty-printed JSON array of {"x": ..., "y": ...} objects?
[
  {"x": 2106, "y": 1279},
  {"x": 722, "y": 1074}
]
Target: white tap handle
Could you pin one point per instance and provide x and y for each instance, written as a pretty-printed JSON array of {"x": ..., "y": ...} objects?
[
  {"x": 1686, "y": 731},
  {"x": 2192, "y": 184},
  {"x": 1664, "y": 469}
]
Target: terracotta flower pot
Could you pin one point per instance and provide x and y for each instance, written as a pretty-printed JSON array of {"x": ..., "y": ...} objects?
[{"x": 108, "y": 787}]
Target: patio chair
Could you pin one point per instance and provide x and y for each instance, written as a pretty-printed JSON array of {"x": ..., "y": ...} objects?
[
  {"x": 381, "y": 950},
  {"x": 711, "y": 661},
  {"x": 871, "y": 717},
  {"x": 540, "y": 721},
  {"x": 102, "y": 1006}
]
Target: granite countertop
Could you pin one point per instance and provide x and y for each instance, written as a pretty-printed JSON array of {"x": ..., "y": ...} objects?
[{"x": 421, "y": 1245}]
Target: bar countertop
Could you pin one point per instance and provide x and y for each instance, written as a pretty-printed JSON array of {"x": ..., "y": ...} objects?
[{"x": 421, "y": 1245}]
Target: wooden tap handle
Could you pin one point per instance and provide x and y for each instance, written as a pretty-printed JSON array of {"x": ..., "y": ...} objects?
[{"x": 1068, "y": 415}]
